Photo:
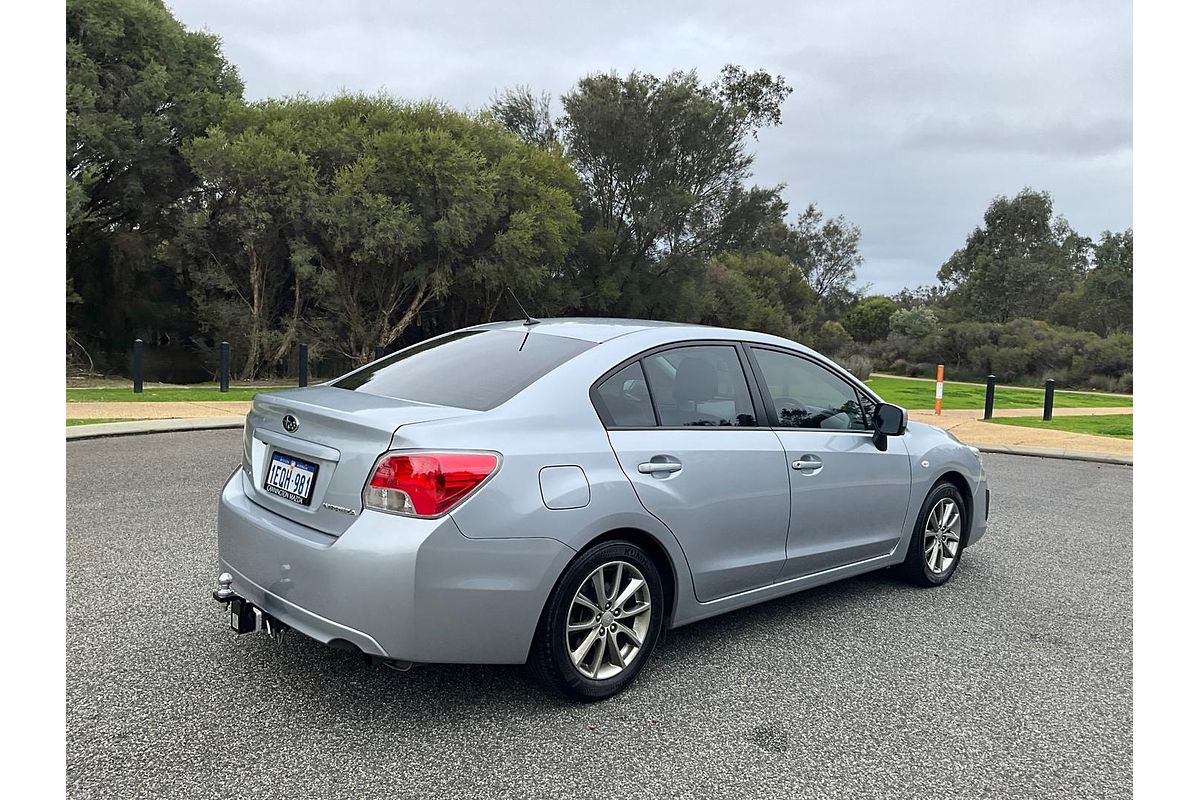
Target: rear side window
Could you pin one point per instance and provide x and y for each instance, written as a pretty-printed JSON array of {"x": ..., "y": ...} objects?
[
  {"x": 469, "y": 369},
  {"x": 624, "y": 401},
  {"x": 700, "y": 386}
]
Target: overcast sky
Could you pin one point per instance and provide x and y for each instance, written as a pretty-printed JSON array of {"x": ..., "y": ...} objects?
[{"x": 907, "y": 117}]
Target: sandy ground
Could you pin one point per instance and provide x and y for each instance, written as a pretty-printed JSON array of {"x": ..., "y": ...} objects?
[
  {"x": 137, "y": 410},
  {"x": 967, "y": 426}
]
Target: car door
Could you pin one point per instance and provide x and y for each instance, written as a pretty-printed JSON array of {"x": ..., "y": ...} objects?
[
  {"x": 849, "y": 499},
  {"x": 696, "y": 448}
]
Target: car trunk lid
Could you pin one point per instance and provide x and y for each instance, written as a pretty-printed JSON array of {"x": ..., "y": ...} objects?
[{"x": 340, "y": 433}]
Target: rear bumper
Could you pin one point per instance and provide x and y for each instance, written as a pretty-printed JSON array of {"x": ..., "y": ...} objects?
[{"x": 407, "y": 589}]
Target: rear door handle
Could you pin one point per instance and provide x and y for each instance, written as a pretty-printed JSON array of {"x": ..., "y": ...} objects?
[
  {"x": 659, "y": 464},
  {"x": 808, "y": 464}
]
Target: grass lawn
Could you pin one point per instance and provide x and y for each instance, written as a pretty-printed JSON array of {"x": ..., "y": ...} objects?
[
  {"x": 167, "y": 394},
  {"x": 1119, "y": 425},
  {"x": 73, "y": 422},
  {"x": 919, "y": 394}
]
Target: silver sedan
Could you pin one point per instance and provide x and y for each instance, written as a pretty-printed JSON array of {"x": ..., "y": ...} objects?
[{"x": 557, "y": 493}]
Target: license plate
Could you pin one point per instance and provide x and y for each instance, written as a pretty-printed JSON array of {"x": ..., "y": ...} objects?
[{"x": 291, "y": 478}]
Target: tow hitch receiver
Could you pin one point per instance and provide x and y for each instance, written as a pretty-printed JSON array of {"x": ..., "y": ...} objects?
[{"x": 244, "y": 617}]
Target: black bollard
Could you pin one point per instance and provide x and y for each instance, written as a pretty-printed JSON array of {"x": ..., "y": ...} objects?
[
  {"x": 303, "y": 367},
  {"x": 989, "y": 399},
  {"x": 224, "y": 366},
  {"x": 379, "y": 351},
  {"x": 1048, "y": 408},
  {"x": 138, "y": 345}
]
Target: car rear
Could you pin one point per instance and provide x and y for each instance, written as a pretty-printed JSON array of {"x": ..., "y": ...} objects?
[{"x": 338, "y": 521}]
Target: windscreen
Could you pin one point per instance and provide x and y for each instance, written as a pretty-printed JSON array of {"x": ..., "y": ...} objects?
[{"x": 469, "y": 369}]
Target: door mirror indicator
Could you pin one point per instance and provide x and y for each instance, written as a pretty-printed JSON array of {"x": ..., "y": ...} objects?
[{"x": 889, "y": 420}]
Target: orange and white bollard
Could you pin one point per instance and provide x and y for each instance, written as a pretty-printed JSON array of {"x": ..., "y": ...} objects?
[{"x": 937, "y": 402}]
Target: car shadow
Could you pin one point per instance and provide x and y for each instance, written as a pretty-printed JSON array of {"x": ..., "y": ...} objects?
[{"x": 358, "y": 687}]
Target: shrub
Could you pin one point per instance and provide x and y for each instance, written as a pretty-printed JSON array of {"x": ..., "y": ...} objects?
[
  {"x": 831, "y": 337},
  {"x": 1101, "y": 383},
  {"x": 869, "y": 320},
  {"x": 1021, "y": 350},
  {"x": 857, "y": 365},
  {"x": 1010, "y": 363},
  {"x": 914, "y": 323},
  {"x": 922, "y": 370}
]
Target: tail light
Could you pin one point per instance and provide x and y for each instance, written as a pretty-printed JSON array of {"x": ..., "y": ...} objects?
[{"x": 426, "y": 484}]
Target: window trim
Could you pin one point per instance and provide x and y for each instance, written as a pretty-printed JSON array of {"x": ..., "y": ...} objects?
[
  {"x": 756, "y": 400},
  {"x": 772, "y": 416}
]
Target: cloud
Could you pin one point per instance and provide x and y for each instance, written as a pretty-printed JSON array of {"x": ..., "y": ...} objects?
[
  {"x": 907, "y": 117},
  {"x": 1063, "y": 137}
]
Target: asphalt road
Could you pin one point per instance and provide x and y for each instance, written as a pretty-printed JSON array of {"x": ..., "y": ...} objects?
[{"x": 1013, "y": 680}]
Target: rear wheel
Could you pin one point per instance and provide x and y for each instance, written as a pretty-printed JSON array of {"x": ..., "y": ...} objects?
[
  {"x": 601, "y": 623},
  {"x": 937, "y": 540}
]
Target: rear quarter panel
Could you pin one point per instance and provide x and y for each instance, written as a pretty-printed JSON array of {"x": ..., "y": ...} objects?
[{"x": 552, "y": 423}]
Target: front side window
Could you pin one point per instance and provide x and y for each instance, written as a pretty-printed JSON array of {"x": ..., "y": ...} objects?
[
  {"x": 806, "y": 395},
  {"x": 477, "y": 369},
  {"x": 699, "y": 386}
]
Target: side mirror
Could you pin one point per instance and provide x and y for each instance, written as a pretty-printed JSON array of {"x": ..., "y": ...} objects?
[{"x": 889, "y": 420}]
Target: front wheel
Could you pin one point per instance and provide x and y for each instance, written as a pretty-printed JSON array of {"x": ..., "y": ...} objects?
[
  {"x": 937, "y": 539},
  {"x": 601, "y": 623}
]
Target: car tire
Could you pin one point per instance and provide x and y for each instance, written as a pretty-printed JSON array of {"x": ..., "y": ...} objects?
[
  {"x": 929, "y": 561},
  {"x": 587, "y": 649}
]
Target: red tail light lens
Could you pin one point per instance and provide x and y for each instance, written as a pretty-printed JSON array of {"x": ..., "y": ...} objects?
[{"x": 426, "y": 484}]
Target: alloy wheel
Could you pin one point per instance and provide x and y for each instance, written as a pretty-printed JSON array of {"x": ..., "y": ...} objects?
[
  {"x": 608, "y": 620},
  {"x": 943, "y": 533}
]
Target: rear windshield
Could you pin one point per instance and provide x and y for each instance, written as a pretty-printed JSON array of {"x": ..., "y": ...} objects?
[{"x": 469, "y": 369}]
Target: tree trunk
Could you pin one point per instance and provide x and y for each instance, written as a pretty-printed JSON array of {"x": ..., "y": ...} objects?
[{"x": 257, "y": 294}]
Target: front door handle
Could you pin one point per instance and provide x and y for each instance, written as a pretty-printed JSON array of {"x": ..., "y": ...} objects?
[
  {"x": 808, "y": 464},
  {"x": 659, "y": 465}
]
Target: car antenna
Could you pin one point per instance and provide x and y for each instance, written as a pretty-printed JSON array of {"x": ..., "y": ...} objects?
[{"x": 528, "y": 319}]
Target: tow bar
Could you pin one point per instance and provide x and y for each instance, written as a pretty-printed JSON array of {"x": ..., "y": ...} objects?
[{"x": 244, "y": 616}]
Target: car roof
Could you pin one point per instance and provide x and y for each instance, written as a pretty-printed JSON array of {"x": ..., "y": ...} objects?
[
  {"x": 603, "y": 329},
  {"x": 590, "y": 329}
]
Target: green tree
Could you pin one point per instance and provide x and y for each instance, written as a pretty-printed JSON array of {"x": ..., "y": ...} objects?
[
  {"x": 663, "y": 165},
  {"x": 356, "y": 216},
  {"x": 757, "y": 291},
  {"x": 244, "y": 251},
  {"x": 870, "y": 319},
  {"x": 1103, "y": 300},
  {"x": 827, "y": 251},
  {"x": 527, "y": 115},
  {"x": 139, "y": 86},
  {"x": 1017, "y": 263}
]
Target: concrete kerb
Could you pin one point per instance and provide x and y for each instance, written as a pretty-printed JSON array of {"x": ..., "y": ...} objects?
[
  {"x": 1066, "y": 455},
  {"x": 138, "y": 427}
]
